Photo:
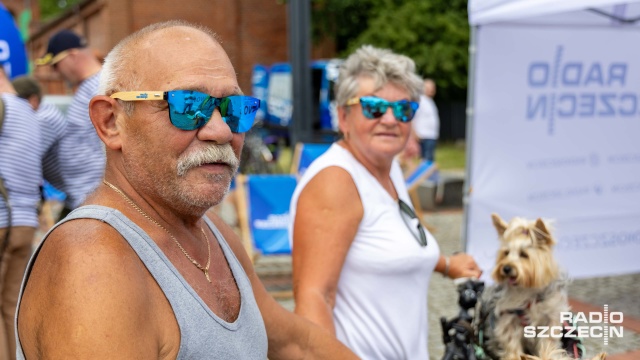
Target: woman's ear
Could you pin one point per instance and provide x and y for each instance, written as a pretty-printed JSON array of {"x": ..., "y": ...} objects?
[
  {"x": 342, "y": 119},
  {"x": 103, "y": 112}
]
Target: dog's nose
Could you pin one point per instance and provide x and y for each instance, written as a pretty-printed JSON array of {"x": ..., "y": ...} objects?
[{"x": 506, "y": 269}]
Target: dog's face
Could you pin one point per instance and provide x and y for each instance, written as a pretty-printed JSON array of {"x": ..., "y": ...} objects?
[{"x": 525, "y": 257}]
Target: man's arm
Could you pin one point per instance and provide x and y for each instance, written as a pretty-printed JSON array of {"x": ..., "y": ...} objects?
[
  {"x": 290, "y": 336},
  {"x": 88, "y": 297}
]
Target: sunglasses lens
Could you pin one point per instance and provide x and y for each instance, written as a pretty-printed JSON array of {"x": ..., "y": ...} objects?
[
  {"x": 190, "y": 110},
  {"x": 372, "y": 107},
  {"x": 239, "y": 112},
  {"x": 403, "y": 110}
]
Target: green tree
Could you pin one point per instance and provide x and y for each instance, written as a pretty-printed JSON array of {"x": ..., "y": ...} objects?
[
  {"x": 51, "y": 8},
  {"x": 434, "y": 33}
]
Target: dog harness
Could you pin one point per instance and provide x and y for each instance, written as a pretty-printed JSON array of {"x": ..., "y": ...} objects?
[{"x": 522, "y": 312}]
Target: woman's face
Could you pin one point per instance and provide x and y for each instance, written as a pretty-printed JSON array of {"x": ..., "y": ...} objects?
[{"x": 379, "y": 139}]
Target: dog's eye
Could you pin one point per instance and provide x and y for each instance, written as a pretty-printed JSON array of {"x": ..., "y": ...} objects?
[
  {"x": 524, "y": 255},
  {"x": 505, "y": 253}
]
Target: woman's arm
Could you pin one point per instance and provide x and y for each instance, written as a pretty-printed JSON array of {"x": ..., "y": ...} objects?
[
  {"x": 458, "y": 265},
  {"x": 328, "y": 213}
]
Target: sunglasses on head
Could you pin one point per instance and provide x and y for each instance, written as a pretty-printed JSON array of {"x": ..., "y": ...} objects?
[
  {"x": 374, "y": 107},
  {"x": 191, "y": 110}
]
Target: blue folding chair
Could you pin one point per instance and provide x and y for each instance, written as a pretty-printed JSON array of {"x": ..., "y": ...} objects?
[
  {"x": 424, "y": 170},
  {"x": 304, "y": 155},
  {"x": 263, "y": 212}
]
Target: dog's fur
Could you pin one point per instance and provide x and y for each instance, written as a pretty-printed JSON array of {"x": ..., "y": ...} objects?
[{"x": 530, "y": 290}]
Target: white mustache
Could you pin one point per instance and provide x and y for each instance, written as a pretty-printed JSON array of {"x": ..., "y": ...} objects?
[{"x": 210, "y": 154}]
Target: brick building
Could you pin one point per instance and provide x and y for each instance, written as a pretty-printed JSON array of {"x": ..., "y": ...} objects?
[{"x": 252, "y": 31}]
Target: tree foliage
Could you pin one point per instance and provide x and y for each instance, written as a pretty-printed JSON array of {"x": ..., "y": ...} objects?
[
  {"x": 51, "y": 8},
  {"x": 434, "y": 33}
]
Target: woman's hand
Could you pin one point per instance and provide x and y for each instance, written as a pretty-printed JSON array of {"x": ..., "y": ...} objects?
[{"x": 463, "y": 265}]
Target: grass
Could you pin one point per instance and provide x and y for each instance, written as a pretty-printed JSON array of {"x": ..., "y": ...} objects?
[{"x": 451, "y": 155}]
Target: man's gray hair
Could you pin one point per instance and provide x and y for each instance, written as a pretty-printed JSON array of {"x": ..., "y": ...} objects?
[
  {"x": 116, "y": 72},
  {"x": 383, "y": 66}
]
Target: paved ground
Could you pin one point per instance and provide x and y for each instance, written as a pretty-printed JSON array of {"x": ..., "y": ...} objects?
[{"x": 621, "y": 293}]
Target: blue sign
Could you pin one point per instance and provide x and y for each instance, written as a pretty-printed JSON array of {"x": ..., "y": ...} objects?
[
  {"x": 309, "y": 153},
  {"x": 280, "y": 98},
  {"x": 13, "y": 55},
  {"x": 260, "y": 89},
  {"x": 269, "y": 197}
]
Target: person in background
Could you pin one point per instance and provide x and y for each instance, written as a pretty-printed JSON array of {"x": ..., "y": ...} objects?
[
  {"x": 139, "y": 271},
  {"x": 20, "y": 179},
  {"x": 361, "y": 259},
  {"x": 426, "y": 122},
  {"x": 53, "y": 127},
  {"x": 81, "y": 151}
]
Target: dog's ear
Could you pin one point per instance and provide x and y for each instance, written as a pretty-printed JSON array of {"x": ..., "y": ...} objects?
[
  {"x": 601, "y": 356},
  {"x": 499, "y": 224},
  {"x": 543, "y": 235}
]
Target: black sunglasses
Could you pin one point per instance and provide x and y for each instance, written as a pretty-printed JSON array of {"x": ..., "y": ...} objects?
[{"x": 408, "y": 211}]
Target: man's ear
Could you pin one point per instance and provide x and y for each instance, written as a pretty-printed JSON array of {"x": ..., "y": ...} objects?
[{"x": 103, "y": 112}]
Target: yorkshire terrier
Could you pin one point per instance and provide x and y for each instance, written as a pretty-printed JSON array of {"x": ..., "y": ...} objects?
[{"x": 530, "y": 291}]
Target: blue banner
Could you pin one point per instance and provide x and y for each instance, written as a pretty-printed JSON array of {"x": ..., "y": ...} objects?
[
  {"x": 13, "y": 55},
  {"x": 259, "y": 89},
  {"x": 280, "y": 98},
  {"x": 268, "y": 205},
  {"x": 309, "y": 153}
]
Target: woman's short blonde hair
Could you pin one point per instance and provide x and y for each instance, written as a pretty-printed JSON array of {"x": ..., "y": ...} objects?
[{"x": 381, "y": 65}]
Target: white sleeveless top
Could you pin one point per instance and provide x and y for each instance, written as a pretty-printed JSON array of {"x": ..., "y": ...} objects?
[{"x": 381, "y": 300}]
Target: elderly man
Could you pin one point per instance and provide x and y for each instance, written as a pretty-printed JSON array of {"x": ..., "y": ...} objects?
[
  {"x": 20, "y": 178},
  {"x": 140, "y": 272},
  {"x": 81, "y": 151}
]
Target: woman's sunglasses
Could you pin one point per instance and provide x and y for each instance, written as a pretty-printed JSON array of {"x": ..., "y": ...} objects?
[
  {"x": 374, "y": 107},
  {"x": 418, "y": 232},
  {"x": 191, "y": 110}
]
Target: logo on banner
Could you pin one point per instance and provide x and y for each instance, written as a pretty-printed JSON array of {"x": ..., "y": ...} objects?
[
  {"x": 599, "y": 325},
  {"x": 573, "y": 89}
]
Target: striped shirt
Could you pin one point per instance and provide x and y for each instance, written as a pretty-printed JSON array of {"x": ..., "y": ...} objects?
[
  {"x": 53, "y": 127},
  {"x": 82, "y": 154},
  {"x": 20, "y": 162}
]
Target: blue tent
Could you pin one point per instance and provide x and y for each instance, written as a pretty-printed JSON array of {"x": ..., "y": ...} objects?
[{"x": 13, "y": 55}]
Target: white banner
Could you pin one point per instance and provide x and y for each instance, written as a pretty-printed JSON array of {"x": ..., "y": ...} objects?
[{"x": 556, "y": 134}]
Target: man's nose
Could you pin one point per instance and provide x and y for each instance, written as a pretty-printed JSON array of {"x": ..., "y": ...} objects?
[{"x": 216, "y": 129}]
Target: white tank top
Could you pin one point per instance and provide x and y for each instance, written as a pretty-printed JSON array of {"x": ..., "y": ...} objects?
[{"x": 381, "y": 300}]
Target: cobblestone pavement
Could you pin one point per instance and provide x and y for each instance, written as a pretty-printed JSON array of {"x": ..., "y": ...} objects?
[{"x": 621, "y": 293}]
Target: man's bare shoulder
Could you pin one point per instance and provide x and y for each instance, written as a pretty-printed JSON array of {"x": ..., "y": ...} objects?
[{"x": 88, "y": 292}]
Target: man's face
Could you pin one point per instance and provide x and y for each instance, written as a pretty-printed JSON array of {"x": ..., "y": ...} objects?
[
  {"x": 67, "y": 67},
  {"x": 173, "y": 59}
]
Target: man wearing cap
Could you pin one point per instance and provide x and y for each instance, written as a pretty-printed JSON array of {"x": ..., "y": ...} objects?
[
  {"x": 20, "y": 178},
  {"x": 81, "y": 151}
]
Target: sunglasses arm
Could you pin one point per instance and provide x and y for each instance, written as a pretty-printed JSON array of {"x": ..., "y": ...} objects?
[{"x": 139, "y": 95}]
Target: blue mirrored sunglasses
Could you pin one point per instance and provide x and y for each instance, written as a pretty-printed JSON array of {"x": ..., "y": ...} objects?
[
  {"x": 191, "y": 110},
  {"x": 374, "y": 107}
]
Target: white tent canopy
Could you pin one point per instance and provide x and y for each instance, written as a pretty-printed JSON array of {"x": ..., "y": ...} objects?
[
  {"x": 554, "y": 128},
  {"x": 482, "y": 12}
]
